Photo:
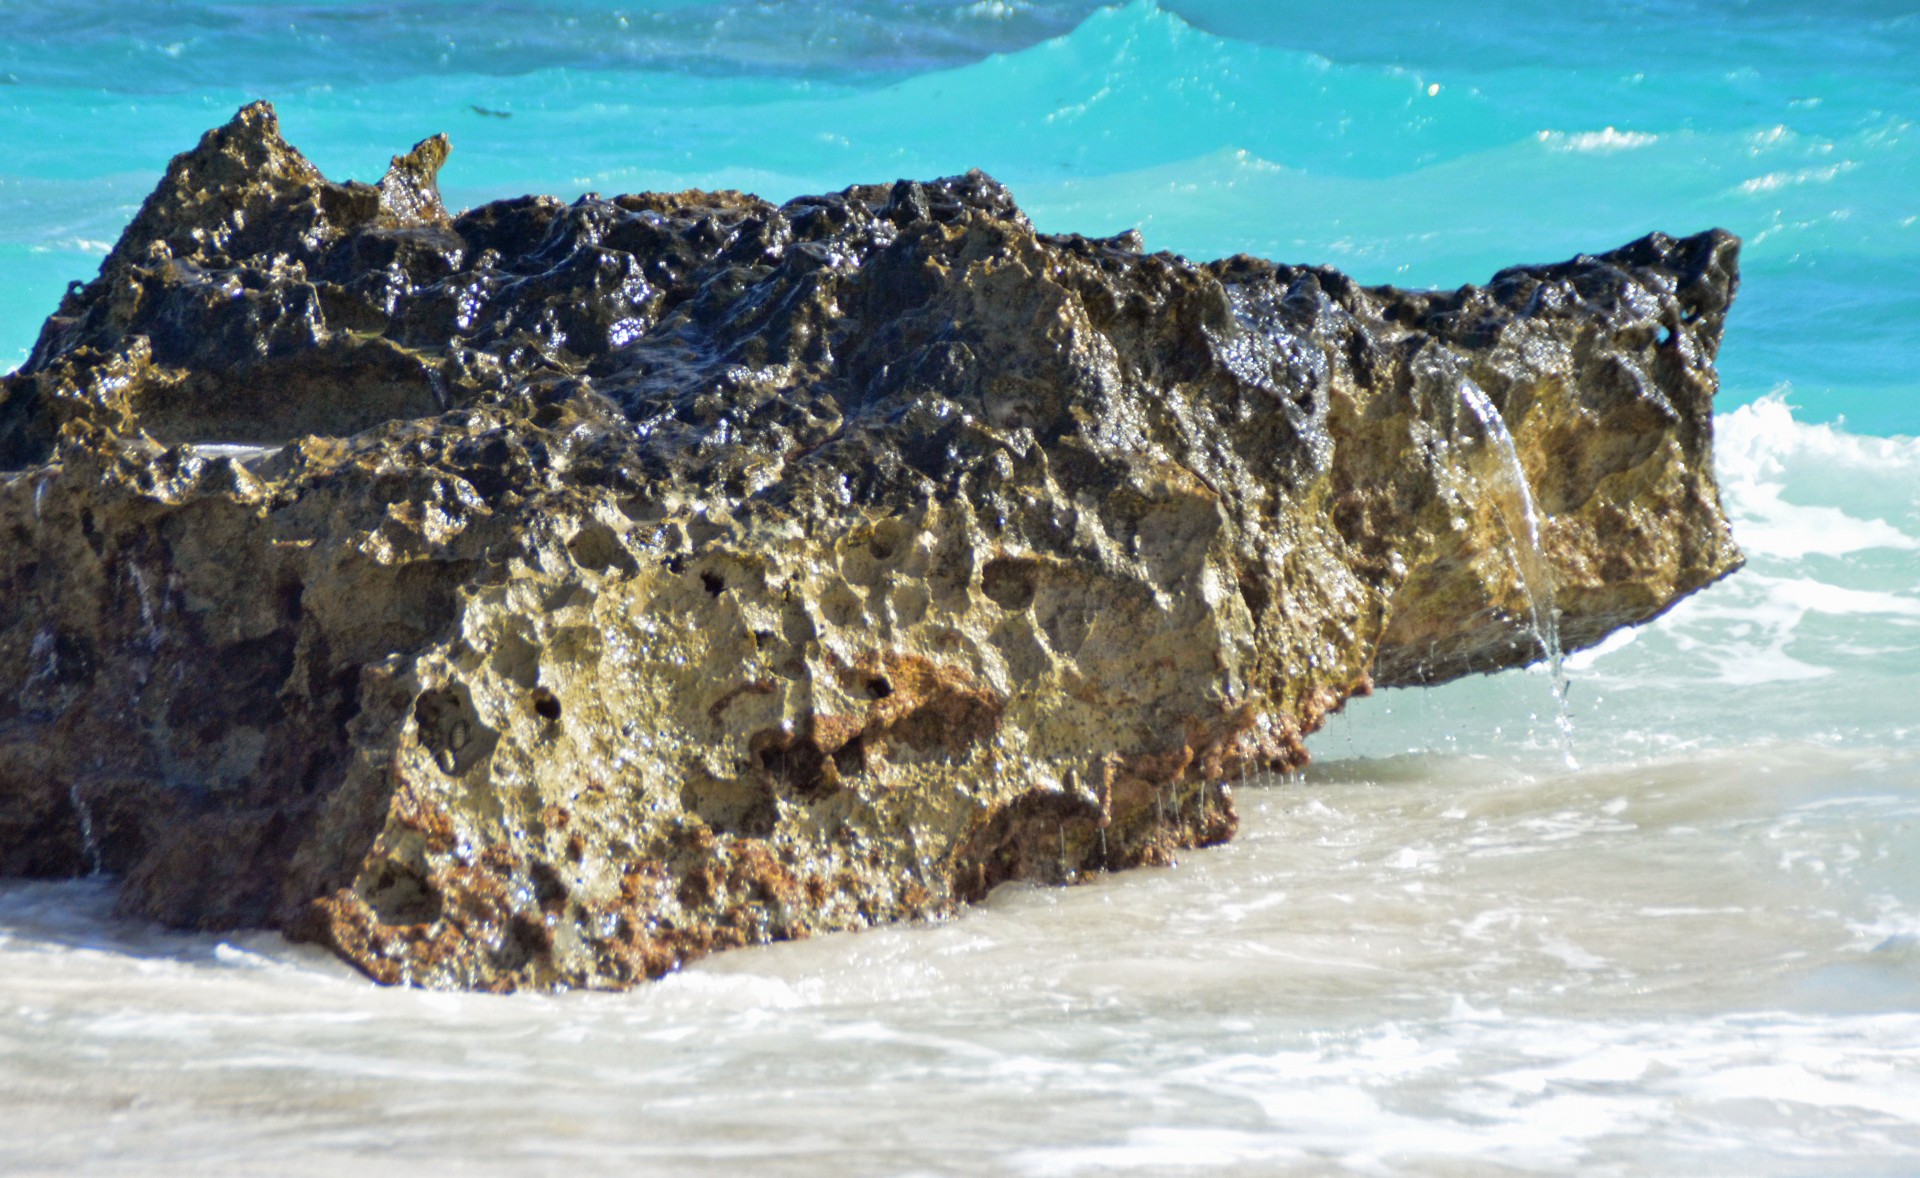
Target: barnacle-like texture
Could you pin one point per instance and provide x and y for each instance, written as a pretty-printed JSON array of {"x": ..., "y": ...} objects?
[{"x": 549, "y": 594}]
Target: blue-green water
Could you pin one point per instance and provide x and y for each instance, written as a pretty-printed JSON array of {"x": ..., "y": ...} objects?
[{"x": 1441, "y": 951}]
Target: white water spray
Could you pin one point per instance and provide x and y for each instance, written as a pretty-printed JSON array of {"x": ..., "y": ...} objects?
[{"x": 1530, "y": 561}]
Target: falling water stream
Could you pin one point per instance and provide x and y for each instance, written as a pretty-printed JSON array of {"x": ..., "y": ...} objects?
[{"x": 1529, "y": 560}]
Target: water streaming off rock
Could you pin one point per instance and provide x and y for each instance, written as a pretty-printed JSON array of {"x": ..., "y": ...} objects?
[{"x": 1521, "y": 517}]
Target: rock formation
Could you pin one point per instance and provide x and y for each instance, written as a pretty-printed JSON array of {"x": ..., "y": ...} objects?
[{"x": 550, "y": 594}]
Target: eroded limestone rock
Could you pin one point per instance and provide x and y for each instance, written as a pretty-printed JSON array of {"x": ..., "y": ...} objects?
[{"x": 549, "y": 594}]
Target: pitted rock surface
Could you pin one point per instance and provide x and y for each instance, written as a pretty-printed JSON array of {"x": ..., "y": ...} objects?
[{"x": 552, "y": 593}]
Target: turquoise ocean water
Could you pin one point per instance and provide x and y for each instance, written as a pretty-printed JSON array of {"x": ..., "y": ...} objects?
[{"x": 1442, "y": 950}]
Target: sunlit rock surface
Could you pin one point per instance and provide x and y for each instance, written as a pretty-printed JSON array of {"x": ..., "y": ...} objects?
[{"x": 549, "y": 594}]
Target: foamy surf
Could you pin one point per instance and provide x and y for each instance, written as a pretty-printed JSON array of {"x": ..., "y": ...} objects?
[{"x": 1409, "y": 964}]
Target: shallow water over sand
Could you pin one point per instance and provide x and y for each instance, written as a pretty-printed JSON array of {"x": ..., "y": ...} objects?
[{"x": 1699, "y": 962}]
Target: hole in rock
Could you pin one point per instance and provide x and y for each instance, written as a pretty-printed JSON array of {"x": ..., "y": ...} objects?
[
  {"x": 1253, "y": 591},
  {"x": 549, "y": 890},
  {"x": 797, "y": 763},
  {"x": 948, "y": 722},
  {"x": 851, "y": 758},
  {"x": 738, "y": 806},
  {"x": 545, "y": 704},
  {"x": 400, "y": 895},
  {"x": 1041, "y": 835},
  {"x": 597, "y": 548},
  {"x": 1010, "y": 582},
  {"x": 517, "y": 659},
  {"x": 526, "y": 939},
  {"x": 450, "y": 729}
]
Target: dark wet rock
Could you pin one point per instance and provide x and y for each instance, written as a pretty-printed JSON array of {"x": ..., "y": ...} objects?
[{"x": 551, "y": 593}]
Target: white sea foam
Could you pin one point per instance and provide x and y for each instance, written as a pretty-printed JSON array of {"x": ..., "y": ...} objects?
[
  {"x": 1765, "y": 433},
  {"x": 1619, "y": 640},
  {"x": 79, "y": 245},
  {"x": 1773, "y": 181},
  {"x": 1761, "y": 449},
  {"x": 1606, "y": 139},
  {"x": 1283, "y": 1005},
  {"x": 1825, "y": 517},
  {"x": 1748, "y": 630},
  {"x": 1818, "y": 596},
  {"x": 997, "y": 9}
]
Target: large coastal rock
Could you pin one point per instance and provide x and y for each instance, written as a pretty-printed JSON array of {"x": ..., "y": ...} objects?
[{"x": 552, "y": 593}]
